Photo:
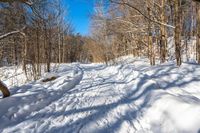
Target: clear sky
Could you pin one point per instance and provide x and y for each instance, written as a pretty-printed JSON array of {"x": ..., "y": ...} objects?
[{"x": 79, "y": 14}]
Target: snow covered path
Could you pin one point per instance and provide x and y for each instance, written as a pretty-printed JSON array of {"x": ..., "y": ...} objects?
[{"x": 95, "y": 98}]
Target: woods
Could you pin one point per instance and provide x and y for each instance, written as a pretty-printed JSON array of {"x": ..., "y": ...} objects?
[
  {"x": 36, "y": 34},
  {"x": 152, "y": 22}
]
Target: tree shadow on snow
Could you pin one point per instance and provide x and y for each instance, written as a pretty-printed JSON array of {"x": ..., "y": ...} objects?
[
  {"x": 100, "y": 111},
  {"x": 141, "y": 90}
]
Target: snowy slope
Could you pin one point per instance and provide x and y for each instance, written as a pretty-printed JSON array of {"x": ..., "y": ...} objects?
[{"x": 94, "y": 98}]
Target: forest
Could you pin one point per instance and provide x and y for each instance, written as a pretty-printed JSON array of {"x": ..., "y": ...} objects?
[
  {"x": 37, "y": 37},
  {"x": 35, "y": 33}
]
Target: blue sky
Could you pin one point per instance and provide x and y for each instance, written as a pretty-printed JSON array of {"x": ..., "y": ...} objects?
[{"x": 79, "y": 14}]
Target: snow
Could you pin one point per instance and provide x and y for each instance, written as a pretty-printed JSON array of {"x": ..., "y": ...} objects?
[
  {"x": 128, "y": 97},
  {"x": 12, "y": 76}
]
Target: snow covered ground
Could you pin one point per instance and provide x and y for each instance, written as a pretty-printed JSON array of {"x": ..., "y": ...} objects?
[{"x": 94, "y": 98}]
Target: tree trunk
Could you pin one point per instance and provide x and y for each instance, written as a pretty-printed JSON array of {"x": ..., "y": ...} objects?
[
  {"x": 163, "y": 40},
  {"x": 24, "y": 56},
  {"x": 38, "y": 53},
  {"x": 4, "y": 90},
  {"x": 150, "y": 35},
  {"x": 49, "y": 52},
  {"x": 59, "y": 46},
  {"x": 198, "y": 33},
  {"x": 62, "y": 50},
  {"x": 177, "y": 32}
]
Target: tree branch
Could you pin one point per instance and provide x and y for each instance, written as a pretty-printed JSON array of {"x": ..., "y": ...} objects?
[
  {"x": 140, "y": 12},
  {"x": 11, "y": 33}
]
